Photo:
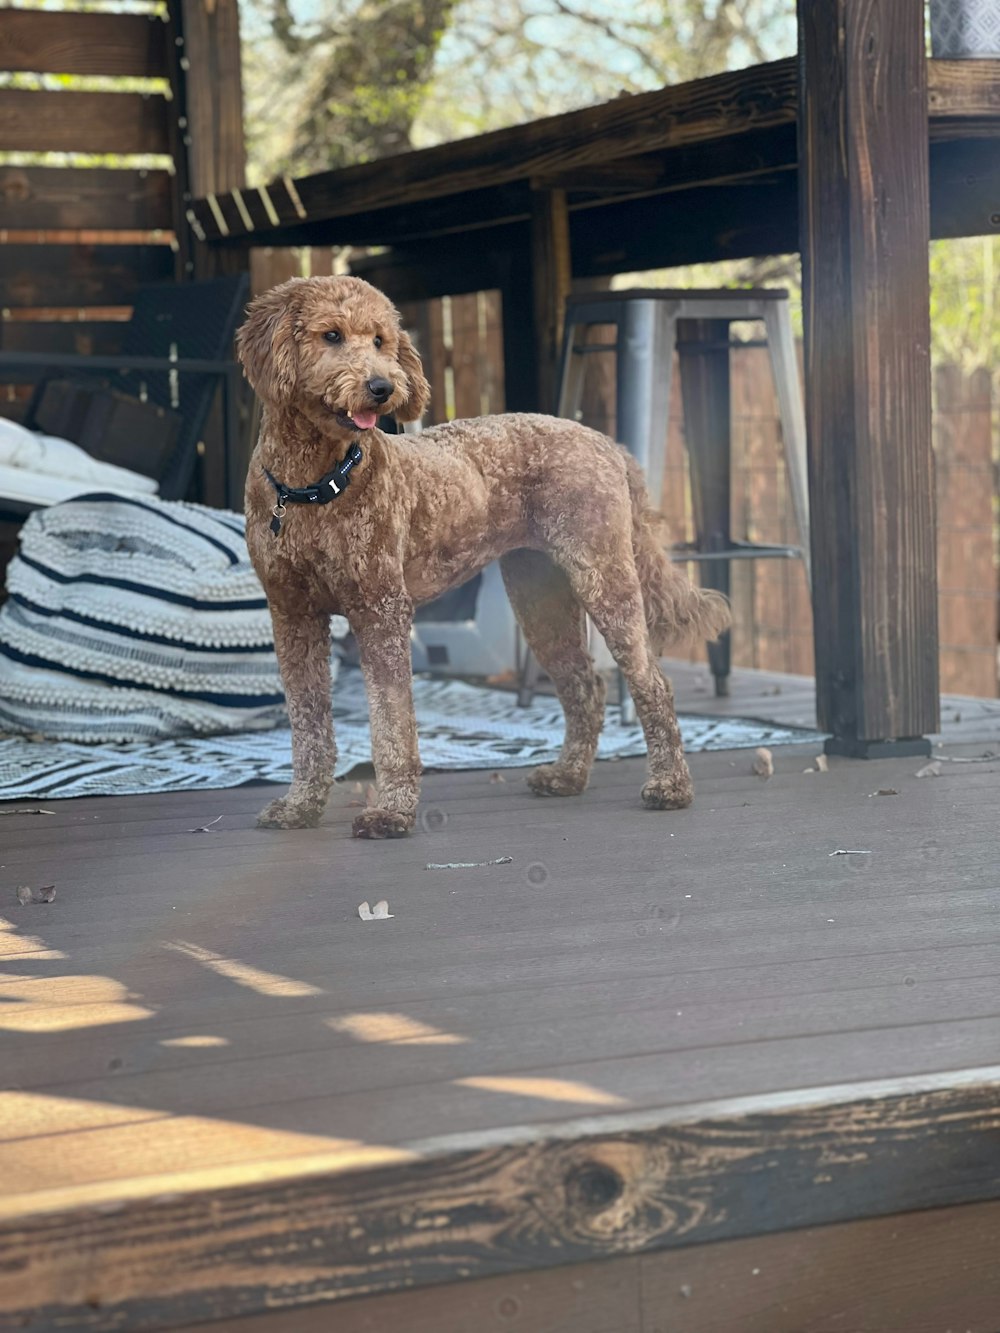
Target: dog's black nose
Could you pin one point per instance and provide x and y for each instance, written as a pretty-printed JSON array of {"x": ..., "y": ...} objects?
[{"x": 380, "y": 390}]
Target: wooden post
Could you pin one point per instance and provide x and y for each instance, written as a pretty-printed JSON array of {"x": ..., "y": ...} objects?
[
  {"x": 864, "y": 222},
  {"x": 551, "y": 278},
  {"x": 216, "y": 148}
]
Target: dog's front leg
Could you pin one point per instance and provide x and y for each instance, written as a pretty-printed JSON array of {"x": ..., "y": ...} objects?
[
  {"x": 384, "y": 644},
  {"x": 302, "y": 643}
]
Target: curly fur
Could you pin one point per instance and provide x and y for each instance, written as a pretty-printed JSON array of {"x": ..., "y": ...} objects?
[{"x": 563, "y": 508}]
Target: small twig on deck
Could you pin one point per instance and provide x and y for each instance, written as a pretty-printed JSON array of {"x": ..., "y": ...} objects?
[
  {"x": 850, "y": 851},
  {"x": 35, "y": 810},
  {"x": 205, "y": 828},
  {"x": 469, "y": 865}
]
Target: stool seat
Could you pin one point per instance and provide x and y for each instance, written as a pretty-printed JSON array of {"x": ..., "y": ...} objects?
[{"x": 650, "y": 323}]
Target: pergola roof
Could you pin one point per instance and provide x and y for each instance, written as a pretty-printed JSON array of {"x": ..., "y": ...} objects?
[{"x": 622, "y": 163}]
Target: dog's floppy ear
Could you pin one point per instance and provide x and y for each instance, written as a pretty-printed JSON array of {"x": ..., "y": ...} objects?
[
  {"x": 419, "y": 393},
  {"x": 266, "y": 344}
]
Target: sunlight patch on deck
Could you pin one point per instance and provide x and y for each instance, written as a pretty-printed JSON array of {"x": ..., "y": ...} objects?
[
  {"x": 393, "y": 1029},
  {"x": 545, "y": 1089},
  {"x": 256, "y": 979},
  {"x": 15, "y": 944},
  {"x": 67, "y": 1151},
  {"x": 196, "y": 1041},
  {"x": 62, "y": 1004}
]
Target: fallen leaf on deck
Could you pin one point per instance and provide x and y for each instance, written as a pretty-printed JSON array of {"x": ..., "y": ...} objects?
[
  {"x": 763, "y": 763},
  {"x": 497, "y": 777},
  {"x": 26, "y": 895},
  {"x": 205, "y": 828},
  {"x": 886, "y": 791},
  {"x": 931, "y": 770},
  {"x": 380, "y": 912},
  {"x": 503, "y": 678},
  {"x": 469, "y": 865}
]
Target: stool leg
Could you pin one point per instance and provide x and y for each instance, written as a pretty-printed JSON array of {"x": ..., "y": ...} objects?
[
  {"x": 703, "y": 346},
  {"x": 785, "y": 368},
  {"x": 571, "y": 368},
  {"x": 644, "y": 368},
  {"x": 645, "y": 363}
]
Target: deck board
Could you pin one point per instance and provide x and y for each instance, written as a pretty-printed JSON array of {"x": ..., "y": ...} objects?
[{"x": 205, "y": 1012}]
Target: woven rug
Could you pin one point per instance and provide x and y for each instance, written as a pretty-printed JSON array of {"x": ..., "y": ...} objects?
[{"x": 461, "y": 727}]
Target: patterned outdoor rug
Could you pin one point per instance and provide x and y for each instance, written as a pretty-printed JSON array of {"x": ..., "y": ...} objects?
[{"x": 461, "y": 727}]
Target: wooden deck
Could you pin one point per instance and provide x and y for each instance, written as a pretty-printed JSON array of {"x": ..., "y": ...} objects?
[{"x": 688, "y": 1071}]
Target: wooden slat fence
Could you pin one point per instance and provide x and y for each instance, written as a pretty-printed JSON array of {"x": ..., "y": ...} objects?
[{"x": 88, "y": 143}]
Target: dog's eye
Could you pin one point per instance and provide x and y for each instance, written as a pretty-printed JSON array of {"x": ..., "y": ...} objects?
[
  {"x": 332, "y": 336},
  {"x": 377, "y": 341}
]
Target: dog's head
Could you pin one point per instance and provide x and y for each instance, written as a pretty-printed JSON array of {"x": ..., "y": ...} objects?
[{"x": 333, "y": 348}]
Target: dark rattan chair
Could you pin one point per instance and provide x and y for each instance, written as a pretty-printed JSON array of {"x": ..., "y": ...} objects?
[{"x": 177, "y": 353}]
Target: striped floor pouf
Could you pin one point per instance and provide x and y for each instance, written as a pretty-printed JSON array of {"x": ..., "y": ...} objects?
[{"x": 134, "y": 620}]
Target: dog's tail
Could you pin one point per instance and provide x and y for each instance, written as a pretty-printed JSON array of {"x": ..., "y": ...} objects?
[{"x": 676, "y": 610}]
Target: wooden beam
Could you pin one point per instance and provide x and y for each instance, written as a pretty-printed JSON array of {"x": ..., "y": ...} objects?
[
  {"x": 78, "y": 43},
  {"x": 446, "y": 1210},
  {"x": 865, "y": 227},
  {"x": 963, "y": 99},
  {"x": 85, "y": 198},
  {"x": 551, "y": 277},
  {"x": 76, "y": 122},
  {"x": 753, "y": 217},
  {"x": 449, "y": 250},
  {"x": 964, "y": 90},
  {"x": 726, "y": 103},
  {"x": 711, "y": 162}
]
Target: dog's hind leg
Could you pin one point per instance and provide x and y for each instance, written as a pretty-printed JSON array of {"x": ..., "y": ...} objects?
[
  {"x": 554, "y": 625},
  {"x": 384, "y": 644},
  {"x": 302, "y": 643},
  {"x": 604, "y": 577}
]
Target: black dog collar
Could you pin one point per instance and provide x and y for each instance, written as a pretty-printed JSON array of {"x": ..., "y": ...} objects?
[{"x": 321, "y": 492}]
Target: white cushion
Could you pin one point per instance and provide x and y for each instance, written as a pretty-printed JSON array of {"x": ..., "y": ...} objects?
[{"x": 41, "y": 469}]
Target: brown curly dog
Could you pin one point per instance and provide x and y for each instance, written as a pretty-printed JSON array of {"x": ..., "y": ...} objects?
[{"x": 563, "y": 508}]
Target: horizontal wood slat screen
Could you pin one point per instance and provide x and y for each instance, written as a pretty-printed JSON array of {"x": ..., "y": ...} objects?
[{"x": 58, "y": 42}]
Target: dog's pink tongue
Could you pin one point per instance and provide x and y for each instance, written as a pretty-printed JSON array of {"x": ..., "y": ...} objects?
[{"x": 364, "y": 420}]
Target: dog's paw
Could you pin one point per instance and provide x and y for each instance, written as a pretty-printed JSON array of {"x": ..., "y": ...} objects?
[
  {"x": 554, "y": 780},
  {"x": 375, "y": 823},
  {"x": 288, "y": 813},
  {"x": 675, "y": 792}
]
